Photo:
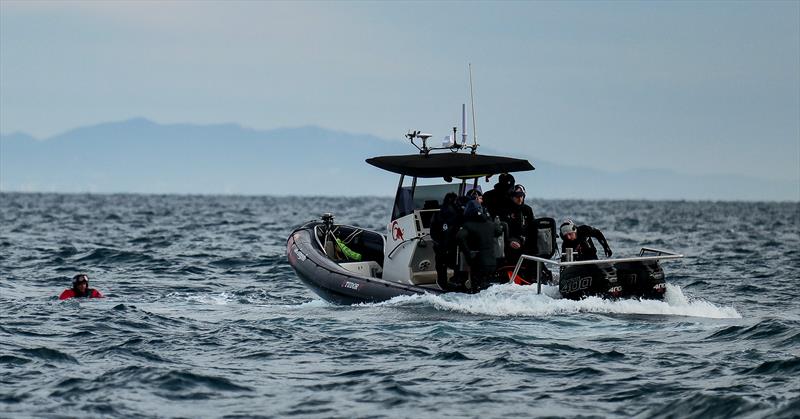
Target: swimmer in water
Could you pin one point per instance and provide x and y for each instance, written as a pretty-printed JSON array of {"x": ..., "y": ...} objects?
[{"x": 80, "y": 289}]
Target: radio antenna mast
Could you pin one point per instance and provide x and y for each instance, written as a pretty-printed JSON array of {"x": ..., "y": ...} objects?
[{"x": 472, "y": 102}]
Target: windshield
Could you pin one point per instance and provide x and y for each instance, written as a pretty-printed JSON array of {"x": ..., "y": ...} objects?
[{"x": 424, "y": 197}]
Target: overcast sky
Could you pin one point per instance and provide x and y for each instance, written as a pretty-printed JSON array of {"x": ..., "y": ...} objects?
[{"x": 697, "y": 87}]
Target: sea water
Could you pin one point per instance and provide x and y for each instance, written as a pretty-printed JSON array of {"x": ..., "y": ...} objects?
[{"x": 205, "y": 318}]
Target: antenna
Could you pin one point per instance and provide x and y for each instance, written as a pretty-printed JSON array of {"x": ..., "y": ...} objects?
[
  {"x": 412, "y": 135},
  {"x": 463, "y": 124},
  {"x": 472, "y": 100}
]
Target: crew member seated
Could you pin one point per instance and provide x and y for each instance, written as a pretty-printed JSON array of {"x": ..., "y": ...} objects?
[
  {"x": 444, "y": 226},
  {"x": 477, "y": 239},
  {"x": 579, "y": 238},
  {"x": 80, "y": 289}
]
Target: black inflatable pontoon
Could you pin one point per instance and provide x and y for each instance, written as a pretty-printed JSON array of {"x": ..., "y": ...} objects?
[{"x": 333, "y": 277}]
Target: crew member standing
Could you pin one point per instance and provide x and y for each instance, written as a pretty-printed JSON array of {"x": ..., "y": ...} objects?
[
  {"x": 477, "y": 239},
  {"x": 444, "y": 226},
  {"x": 498, "y": 201},
  {"x": 579, "y": 238},
  {"x": 521, "y": 229}
]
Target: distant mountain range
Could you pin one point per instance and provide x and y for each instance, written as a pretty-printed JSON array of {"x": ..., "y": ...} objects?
[{"x": 141, "y": 156}]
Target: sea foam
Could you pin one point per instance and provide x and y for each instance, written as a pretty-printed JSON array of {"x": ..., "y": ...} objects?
[{"x": 515, "y": 300}]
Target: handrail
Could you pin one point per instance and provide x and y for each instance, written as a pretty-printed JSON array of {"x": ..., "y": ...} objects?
[
  {"x": 665, "y": 255},
  {"x": 652, "y": 249},
  {"x": 316, "y": 236}
]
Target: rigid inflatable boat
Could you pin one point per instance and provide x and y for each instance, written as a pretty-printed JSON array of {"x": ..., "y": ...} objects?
[{"x": 346, "y": 264}]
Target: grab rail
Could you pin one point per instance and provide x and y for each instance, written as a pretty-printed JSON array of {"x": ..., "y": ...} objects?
[
  {"x": 663, "y": 255},
  {"x": 321, "y": 246}
]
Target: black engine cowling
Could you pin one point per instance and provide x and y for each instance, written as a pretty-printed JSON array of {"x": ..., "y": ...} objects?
[
  {"x": 641, "y": 279},
  {"x": 580, "y": 281}
]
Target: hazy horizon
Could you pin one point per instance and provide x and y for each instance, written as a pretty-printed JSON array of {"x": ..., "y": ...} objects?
[
  {"x": 398, "y": 140},
  {"x": 143, "y": 156}
]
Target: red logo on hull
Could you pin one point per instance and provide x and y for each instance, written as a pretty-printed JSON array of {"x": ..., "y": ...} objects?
[{"x": 397, "y": 232}]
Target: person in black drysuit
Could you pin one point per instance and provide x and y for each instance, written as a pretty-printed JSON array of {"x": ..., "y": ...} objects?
[
  {"x": 473, "y": 195},
  {"x": 498, "y": 201},
  {"x": 444, "y": 226},
  {"x": 477, "y": 239},
  {"x": 521, "y": 229},
  {"x": 579, "y": 238}
]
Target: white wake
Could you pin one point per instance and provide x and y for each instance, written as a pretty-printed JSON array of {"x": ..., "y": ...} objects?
[{"x": 515, "y": 300}]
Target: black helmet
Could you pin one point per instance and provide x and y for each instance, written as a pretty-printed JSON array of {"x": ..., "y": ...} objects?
[
  {"x": 474, "y": 194},
  {"x": 81, "y": 277},
  {"x": 507, "y": 180}
]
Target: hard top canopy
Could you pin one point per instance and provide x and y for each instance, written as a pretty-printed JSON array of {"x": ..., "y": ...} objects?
[{"x": 460, "y": 165}]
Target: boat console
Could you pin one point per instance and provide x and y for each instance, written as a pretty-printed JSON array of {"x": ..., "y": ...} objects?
[{"x": 409, "y": 256}]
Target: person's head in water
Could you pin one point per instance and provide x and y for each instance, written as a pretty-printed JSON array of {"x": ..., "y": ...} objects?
[
  {"x": 569, "y": 231},
  {"x": 518, "y": 195},
  {"x": 80, "y": 289},
  {"x": 80, "y": 284}
]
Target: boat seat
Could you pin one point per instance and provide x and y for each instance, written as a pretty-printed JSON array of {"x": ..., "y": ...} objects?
[
  {"x": 424, "y": 278},
  {"x": 423, "y": 263},
  {"x": 545, "y": 237},
  {"x": 368, "y": 268}
]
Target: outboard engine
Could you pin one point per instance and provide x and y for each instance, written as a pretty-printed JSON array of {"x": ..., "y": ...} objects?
[
  {"x": 641, "y": 279},
  {"x": 580, "y": 281}
]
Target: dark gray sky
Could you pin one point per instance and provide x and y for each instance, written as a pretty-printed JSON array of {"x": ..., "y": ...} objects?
[{"x": 697, "y": 87}]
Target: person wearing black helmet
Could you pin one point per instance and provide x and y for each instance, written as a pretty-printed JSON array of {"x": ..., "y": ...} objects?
[
  {"x": 444, "y": 226},
  {"x": 477, "y": 239},
  {"x": 80, "y": 289},
  {"x": 498, "y": 200},
  {"x": 477, "y": 196},
  {"x": 521, "y": 229},
  {"x": 579, "y": 239}
]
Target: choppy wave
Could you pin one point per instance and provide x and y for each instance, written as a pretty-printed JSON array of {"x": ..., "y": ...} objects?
[
  {"x": 514, "y": 300},
  {"x": 204, "y": 318}
]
